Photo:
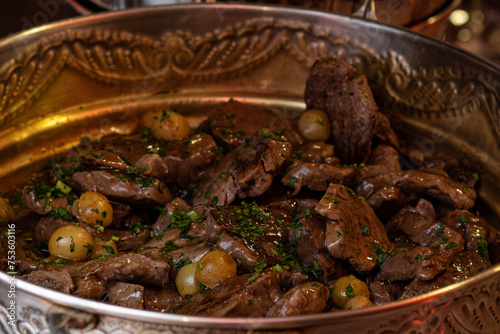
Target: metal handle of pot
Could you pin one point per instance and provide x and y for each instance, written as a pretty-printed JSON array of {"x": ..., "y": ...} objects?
[{"x": 61, "y": 320}]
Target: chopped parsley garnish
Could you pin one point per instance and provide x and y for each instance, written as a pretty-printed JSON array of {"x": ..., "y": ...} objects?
[
  {"x": 72, "y": 245},
  {"x": 60, "y": 213},
  {"x": 450, "y": 245},
  {"x": 183, "y": 221},
  {"x": 462, "y": 219},
  {"x": 182, "y": 263},
  {"x": 418, "y": 257},
  {"x": 109, "y": 249},
  {"x": 340, "y": 234},
  {"x": 482, "y": 247},
  {"x": 381, "y": 254},
  {"x": 440, "y": 231},
  {"x": 178, "y": 308},
  {"x": 291, "y": 181},
  {"x": 89, "y": 247},
  {"x": 365, "y": 229},
  {"x": 349, "y": 291}
]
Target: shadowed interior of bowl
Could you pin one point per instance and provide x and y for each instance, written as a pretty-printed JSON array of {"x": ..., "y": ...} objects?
[{"x": 79, "y": 81}]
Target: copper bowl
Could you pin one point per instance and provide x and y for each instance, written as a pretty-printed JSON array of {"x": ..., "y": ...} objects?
[{"x": 95, "y": 75}]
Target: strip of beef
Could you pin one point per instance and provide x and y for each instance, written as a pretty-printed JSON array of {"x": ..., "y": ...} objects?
[
  {"x": 385, "y": 292},
  {"x": 56, "y": 280},
  {"x": 354, "y": 233},
  {"x": 446, "y": 242},
  {"x": 247, "y": 171},
  {"x": 103, "y": 159},
  {"x": 91, "y": 277},
  {"x": 188, "y": 159},
  {"x": 35, "y": 200},
  {"x": 315, "y": 176},
  {"x": 332, "y": 86},
  {"x": 467, "y": 264},
  {"x": 252, "y": 232},
  {"x": 307, "y": 237},
  {"x": 387, "y": 156},
  {"x": 407, "y": 263},
  {"x": 237, "y": 297},
  {"x": 423, "y": 208},
  {"x": 126, "y": 295},
  {"x": 121, "y": 187},
  {"x": 185, "y": 228},
  {"x": 163, "y": 220},
  {"x": 317, "y": 152},
  {"x": 233, "y": 123},
  {"x": 306, "y": 298},
  {"x": 478, "y": 234},
  {"x": 387, "y": 201},
  {"x": 134, "y": 232},
  {"x": 161, "y": 299},
  {"x": 416, "y": 182}
]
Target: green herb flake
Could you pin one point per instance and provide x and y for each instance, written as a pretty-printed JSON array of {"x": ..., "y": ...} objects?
[
  {"x": 349, "y": 291},
  {"x": 109, "y": 249},
  {"x": 72, "y": 245},
  {"x": 482, "y": 247},
  {"x": 365, "y": 229}
]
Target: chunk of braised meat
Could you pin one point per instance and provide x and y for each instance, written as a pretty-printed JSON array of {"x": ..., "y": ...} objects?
[
  {"x": 48, "y": 225},
  {"x": 91, "y": 278},
  {"x": 467, "y": 264},
  {"x": 307, "y": 238},
  {"x": 386, "y": 135},
  {"x": 354, "y": 233},
  {"x": 423, "y": 208},
  {"x": 163, "y": 220},
  {"x": 478, "y": 234},
  {"x": 134, "y": 232},
  {"x": 410, "y": 262},
  {"x": 188, "y": 159},
  {"x": 247, "y": 171},
  {"x": 315, "y": 176},
  {"x": 102, "y": 159},
  {"x": 252, "y": 232},
  {"x": 126, "y": 295},
  {"x": 246, "y": 295},
  {"x": 35, "y": 200},
  {"x": 333, "y": 87},
  {"x": 185, "y": 228},
  {"x": 233, "y": 123},
  {"x": 387, "y": 156},
  {"x": 387, "y": 201},
  {"x": 181, "y": 161},
  {"x": 56, "y": 280},
  {"x": 306, "y": 298},
  {"x": 122, "y": 187},
  {"x": 385, "y": 292},
  {"x": 445, "y": 242},
  {"x": 317, "y": 152},
  {"x": 417, "y": 183},
  {"x": 161, "y": 299}
]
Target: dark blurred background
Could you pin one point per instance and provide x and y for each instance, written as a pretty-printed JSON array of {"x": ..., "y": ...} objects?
[{"x": 474, "y": 25}]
